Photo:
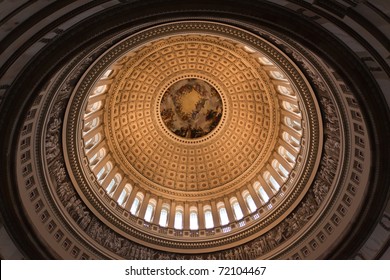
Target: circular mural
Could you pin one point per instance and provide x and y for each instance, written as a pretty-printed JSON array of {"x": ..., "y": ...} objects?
[{"x": 191, "y": 108}]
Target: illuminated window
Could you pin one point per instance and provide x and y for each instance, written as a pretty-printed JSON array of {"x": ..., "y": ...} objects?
[
  {"x": 286, "y": 154},
  {"x": 164, "y": 215},
  {"x": 93, "y": 107},
  {"x": 223, "y": 216},
  {"x": 93, "y": 141},
  {"x": 249, "y": 201},
  {"x": 285, "y": 90},
  {"x": 280, "y": 169},
  {"x": 136, "y": 204},
  {"x": 91, "y": 125},
  {"x": 150, "y": 210},
  {"x": 262, "y": 193},
  {"x": 194, "y": 218},
  {"x": 294, "y": 142},
  {"x": 106, "y": 74},
  {"x": 271, "y": 181},
  {"x": 275, "y": 185},
  {"x": 291, "y": 107},
  {"x": 277, "y": 75},
  {"x": 124, "y": 196},
  {"x": 236, "y": 208},
  {"x": 99, "y": 90},
  {"x": 293, "y": 124},
  {"x": 208, "y": 217},
  {"x": 265, "y": 61},
  {"x": 114, "y": 184},
  {"x": 97, "y": 157},
  {"x": 249, "y": 50},
  {"x": 102, "y": 174},
  {"x": 178, "y": 218}
]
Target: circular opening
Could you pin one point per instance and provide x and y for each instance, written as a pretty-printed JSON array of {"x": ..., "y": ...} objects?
[{"x": 191, "y": 108}]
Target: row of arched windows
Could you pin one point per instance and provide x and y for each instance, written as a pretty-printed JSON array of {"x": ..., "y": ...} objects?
[{"x": 218, "y": 213}]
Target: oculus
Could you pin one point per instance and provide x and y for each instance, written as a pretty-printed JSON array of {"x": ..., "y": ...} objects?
[{"x": 191, "y": 108}]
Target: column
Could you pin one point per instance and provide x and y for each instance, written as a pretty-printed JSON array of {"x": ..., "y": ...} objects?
[
  {"x": 201, "y": 216},
  {"x": 101, "y": 163},
  {"x": 131, "y": 198},
  {"x": 157, "y": 212},
  {"x": 275, "y": 175},
  {"x": 109, "y": 177},
  {"x": 229, "y": 210},
  {"x": 93, "y": 115},
  {"x": 255, "y": 196},
  {"x": 144, "y": 205},
  {"x": 283, "y": 162},
  {"x": 266, "y": 187},
  {"x": 215, "y": 212},
  {"x": 172, "y": 212},
  {"x": 119, "y": 189},
  {"x": 244, "y": 207}
]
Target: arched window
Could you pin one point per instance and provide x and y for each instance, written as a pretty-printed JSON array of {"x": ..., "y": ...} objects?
[
  {"x": 99, "y": 90},
  {"x": 291, "y": 140},
  {"x": 91, "y": 125},
  {"x": 271, "y": 181},
  {"x": 249, "y": 50},
  {"x": 164, "y": 215},
  {"x": 286, "y": 154},
  {"x": 136, "y": 204},
  {"x": 194, "y": 218},
  {"x": 291, "y": 107},
  {"x": 106, "y": 74},
  {"x": 178, "y": 218},
  {"x": 208, "y": 217},
  {"x": 236, "y": 208},
  {"x": 280, "y": 169},
  {"x": 114, "y": 184},
  {"x": 249, "y": 202},
  {"x": 97, "y": 157},
  {"x": 125, "y": 194},
  {"x": 102, "y": 174},
  {"x": 285, "y": 90},
  {"x": 93, "y": 141},
  {"x": 293, "y": 124},
  {"x": 262, "y": 193},
  {"x": 93, "y": 107},
  {"x": 223, "y": 216},
  {"x": 150, "y": 210},
  {"x": 277, "y": 75},
  {"x": 265, "y": 61}
]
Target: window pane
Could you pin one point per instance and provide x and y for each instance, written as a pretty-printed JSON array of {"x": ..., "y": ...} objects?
[
  {"x": 223, "y": 216},
  {"x": 178, "y": 220},
  {"x": 208, "y": 216},
  {"x": 274, "y": 184},
  {"x": 263, "y": 194},
  {"x": 134, "y": 207},
  {"x": 163, "y": 218},
  {"x": 122, "y": 197},
  {"x": 99, "y": 175},
  {"x": 251, "y": 203},
  {"x": 237, "y": 211},
  {"x": 283, "y": 170},
  {"x": 149, "y": 213},
  {"x": 111, "y": 186},
  {"x": 194, "y": 220}
]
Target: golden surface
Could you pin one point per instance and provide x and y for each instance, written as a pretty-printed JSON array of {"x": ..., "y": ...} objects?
[{"x": 230, "y": 155}]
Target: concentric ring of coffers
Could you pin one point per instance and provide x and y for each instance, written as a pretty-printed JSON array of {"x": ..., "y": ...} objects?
[{"x": 241, "y": 170}]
